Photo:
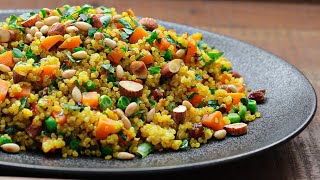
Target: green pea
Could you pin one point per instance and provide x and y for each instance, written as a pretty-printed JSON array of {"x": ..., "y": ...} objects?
[
  {"x": 106, "y": 151},
  {"x": 51, "y": 124},
  {"x": 252, "y": 106},
  {"x": 74, "y": 144},
  {"x": 4, "y": 139},
  {"x": 89, "y": 85},
  {"x": 234, "y": 118},
  {"x": 242, "y": 111},
  {"x": 105, "y": 102},
  {"x": 123, "y": 102},
  {"x": 235, "y": 109}
]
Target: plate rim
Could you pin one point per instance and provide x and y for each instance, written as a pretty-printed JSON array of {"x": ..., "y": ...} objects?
[{"x": 174, "y": 168}]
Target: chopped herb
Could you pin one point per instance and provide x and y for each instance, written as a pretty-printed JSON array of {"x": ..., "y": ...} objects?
[
  {"x": 59, "y": 11},
  {"x": 213, "y": 103},
  {"x": 105, "y": 10},
  {"x": 26, "y": 16},
  {"x": 23, "y": 103},
  {"x": 154, "y": 70},
  {"x": 198, "y": 77},
  {"x": 191, "y": 96},
  {"x": 223, "y": 69},
  {"x": 30, "y": 54},
  {"x": 108, "y": 67},
  {"x": 54, "y": 83},
  {"x": 174, "y": 42},
  {"x": 105, "y": 20},
  {"x": 70, "y": 107},
  {"x": 110, "y": 49},
  {"x": 159, "y": 40},
  {"x": 201, "y": 104},
  {"x": 171, "y": 106},
  {"x": 115, "y": 84},
  {"x": 128, "y": 31},
  {"x": 84, "y": 9},
  {"x": 124, "y": 49},
  {"x": 184, "y": 145},
  {"x": 17, "y": 53},
  {"x": 213, "y": 90},
  {"x": 200, "y": 44},
  {"x": 3, "y": 51},
  {"x": 125, "y": 23},
  {"x": 152, "y": 103},
  {"x": 21, "y": 47},
  {"x": 106, "y": 35},
  {"x": 89, "y": 20},
  {"x": 244, "y": 101},
  {"x": 35, "y": 64},
  {"x": 137, "y": 100},
  {"x": 83, "y": 17},
  {"x": 124, "y": 35},
  {"x": 137, "y": 113},
  {"x": 214, "y": 57},
  {"x": 122, "y": 135},
  {"x": 74, "y": 144},
  {"x": 167, "y": 56},
  {"x": 43, "y": 12},
  {"x": 92, "y": 31},
  {"x": 106, "y": 151},
  {"x": 77, "y": 83},
  {"x": 10, "y": 131},
  {"x": 93, "y": 69},
  {"x": 135, "y": 21},
  {"x": 144, "y": 149},
  {"x": 71, "y": 58},
  {"x": 111, "y": 78},
  {"x": 153, "y": 36},
  {"x": 13, "y": 23},
  {"x": 78, "y": 49}
]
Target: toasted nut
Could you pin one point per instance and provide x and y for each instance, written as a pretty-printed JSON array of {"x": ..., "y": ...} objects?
[
  {"x": 44, "y": 29},
  {"x": 38, "y": 35},
  {"x": 131, "y": 108},
  {"x": 72, "y": 29},
  {"x": 125, "y": 155},
  {"x": 47, "y": 10},
  {"x": 68, "y": 73},
  {"x": 76, "y": 94},
  {"x": 171, "y": 68},
  {"x": 27, "y": 30},
  {"x": 151, "y": 114},
  {"x": 235, "y": 74},
  {"x": 130, "y": 89},
  {"x": 98, "y": 36},
  {"x": 39, "y": 24},
  {"x": 17, "y": 77},
  {"x": 49, "y": 21},
  {"x": 120, "y": 113},
  {"x": 11, "y": 147},
  {"x": 29, "y": 37},
  {"x": 149, "y": 23},
  {"x": 187, "y": 104},
  {"x": 236, "y": 129},
  {"x": 119, "y": 72},
  {"x": 232, "y": 88},
  {"x": 31, "y": 21},
  {"x": 258, "y": 95},
  {"x": 139, "y": 69},
  {"x": 157, "y": 94},
  {"x": 16, "y": 60},
  {"x": 57, "y": 29},
  {"x": 196, "y": 131},
  {"x": 68, "y": 23},
  {"x": 96, "y": 21},
  {"x": 179, "y": 114},
  {"x": 4, "y": 68},
  {"x": 110, "y": 43},
  {"x": 83, "y": 26},
  {"x": 80, "y": 55},
  {"x": 220, "y": 134},
  {"x": 33, "y": 30},
  {"x": 126, "y": 122},
  {"x": 180, "y": 53},
  {"x": 6, "y": 36}
]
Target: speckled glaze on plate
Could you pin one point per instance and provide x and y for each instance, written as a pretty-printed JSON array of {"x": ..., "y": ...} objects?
[{"x": 290, "y": 106}]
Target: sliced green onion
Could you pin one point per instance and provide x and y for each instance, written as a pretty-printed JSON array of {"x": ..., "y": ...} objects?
[
  {"x": 51, "y": 124},
  {"x": 184, "y": 145},
  {"x": 234, "y": 118},
  {"x": 242, "y": 111},
  {"x": 252, "y": 106}
]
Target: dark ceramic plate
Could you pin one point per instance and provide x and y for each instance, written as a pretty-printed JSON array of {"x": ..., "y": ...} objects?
[{"x": 289, "y": 108}]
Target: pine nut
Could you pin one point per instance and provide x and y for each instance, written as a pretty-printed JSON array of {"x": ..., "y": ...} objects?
[
  {"x": 4, "y": 68},
  {"x": 120, "y": 113},
  {"x": 80, "y": 55},
  {"x": 68, "y": 23},
  {"x": 98, "y": 36},
  {"x": 119, "y": 72},
  {"x": 68, "y": 73},
  {"x": 187, "y": 104},
  {"x": 27, "y": 30},
  {"x": 110, "y": 43},
  {"x": 44, "y": 29},
  {"x": 72, "y": 29},
  {"x": 76, "y": 94},
  {"x": 131, "y": 108},
  {"x": 232, "y": 88},
  {"x": 11, "y": 147},
  {"x": 39, "y": 24},
  {"x": 125, "y": 155},
  {"x": 38, "y": 35},
  {"x": 29, "y": 37},
  {"x": 126, "y": 122},
  {"x": 151, "y": 114},
  {"x": 51, "y": 20},
  {"x": 83, "y": 26},
  {"x": 180, "y": 53},
  {"x": 221, "y": 134},
  {"x": 33, "y": 30}
]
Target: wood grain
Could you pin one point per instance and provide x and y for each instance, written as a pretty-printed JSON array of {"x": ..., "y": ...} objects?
[{"x": 289, "y": 30}]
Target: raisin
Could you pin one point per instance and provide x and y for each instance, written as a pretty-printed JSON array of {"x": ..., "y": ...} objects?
[
  {"x": 157, "y": 94},
  {"x": 258, "y": 96},
  {"x": 197, "y": 131},
  {"x": 235, "y": 74}
]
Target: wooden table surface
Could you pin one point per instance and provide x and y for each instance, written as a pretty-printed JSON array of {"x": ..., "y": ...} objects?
[{"x": 289, "y": 30}]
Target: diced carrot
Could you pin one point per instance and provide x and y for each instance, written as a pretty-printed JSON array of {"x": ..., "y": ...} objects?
[
  {"x": 163, "y": 44},
  {"x": 105, "y": 127},
  {"x": 236, "y": 97},
  {"x": 191, "y": 51},
  {"x": 196, "y": 99},
  {"x": 225, "y": 77},
  {"x": 25, "y": 92},
  {"x": 59, "y": 116},
  {"x": 119, "y": 25},
  {"x": 71, "y": 42},
  {"x": 147, "y": 58},
  {"x": 115, "y": 55},
  {"x": 49, "y": 70},
  {"x": 90, "y": 99},
  {"x": 213, "y": 120},
  {"x": 138, "y": 33},
  {"x": 50, "y": 41},
  {"x": 4, "y": 87},
  {"x": 6, "y": 58},
  {"x": 240, "y": 88}
]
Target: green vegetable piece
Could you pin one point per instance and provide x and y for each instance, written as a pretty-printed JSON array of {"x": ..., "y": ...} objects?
[
  {"x": 168, "y": 56},
  {"x": 223, "y": 69},
  {"x": 234, "y": 118},
  {"x": 44, "y": 14},
  {"x": 244, "y": 101},
  {"x": 124, "y": 35},
  {"x": 74, "y": 144},
  {"x": 106, "y": 151},
  {"x": 108, "y": 67},
  {"x": 213, "y": 103},
  {"x": 89, "y": 85},
  {"x": 70, "y": 107},
  {"x": 23, "y": 103},
  {"x": 122, "y": 135},
  {"x": 252, "y": 106},
  {"x": 213, "y": 90},
  {"x": 92, "y": 31},
  {"x": 191, "y": 96},
  {"x": 154, "y": 70},
  {"x": 123, "y": 102},
  {"x": 171, "y": 106},
  {"x": 111, "y": 78},
  {"x": 105, "y": 102},
  {"x": 174, "y": 42},
  {"x": 152, "y": 37},
  {"x": 152, "y": 103},
  {"x": 105, "y": 20},
  {"x": 242, "y": 111},
  {"x": 10, "y": 130},
  {"x": 51, "y": 124},
  {"x": 30, "y": 54},
  {"x": 127, "y": 31},
  {"x": 26, "y": 16},
  {"x": 93, "y": 69},
  {"x": 198, "y": 77},
  {"x": 214, "y": 57},
  {"x": 137, "y": 100},
  {"x": 125, "y": 23},
  {"x": 144, "y": 149},
  {"x": 4, "y": 139},
  {"x": 17, "y": 53},
  {"x": 235, "y": 109},
  {"x": 78, "y": 49},
  {"x": 184, "y": 145}
]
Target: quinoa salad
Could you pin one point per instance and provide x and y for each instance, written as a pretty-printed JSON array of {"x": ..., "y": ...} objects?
[{"x": 87, "y": 81}]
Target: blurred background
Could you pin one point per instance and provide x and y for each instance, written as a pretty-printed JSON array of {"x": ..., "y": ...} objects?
[{"x": 288, "y": 28}]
